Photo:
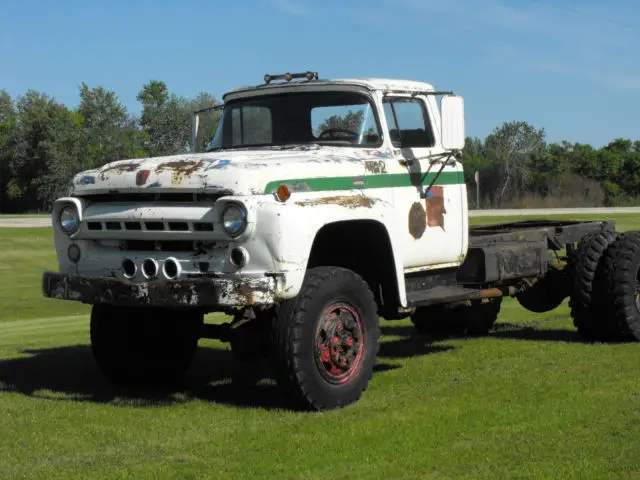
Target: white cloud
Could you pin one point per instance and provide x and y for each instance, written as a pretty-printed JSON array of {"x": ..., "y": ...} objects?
[{"x": 292, "y": 7}]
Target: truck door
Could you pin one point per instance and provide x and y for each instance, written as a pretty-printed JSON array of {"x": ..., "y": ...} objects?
[{"x": 434, "y": 218}]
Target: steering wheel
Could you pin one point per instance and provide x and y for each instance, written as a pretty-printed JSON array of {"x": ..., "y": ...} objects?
[{"x": 333, "y": 130}]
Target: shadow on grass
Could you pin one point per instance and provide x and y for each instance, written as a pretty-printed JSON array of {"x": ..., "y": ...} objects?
[
  {"x": 532, "y": 332},
  {"x": 501, "y": 330},
  {"x": 70, "y": 373},
  {"x": 410, "y": 346}
]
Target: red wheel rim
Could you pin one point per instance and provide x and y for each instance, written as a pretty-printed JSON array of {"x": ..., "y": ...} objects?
[{"x": 339, "y": 343}]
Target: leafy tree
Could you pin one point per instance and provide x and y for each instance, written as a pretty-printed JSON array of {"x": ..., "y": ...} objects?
[
  {"x": 351, "y": 121},
  {"x": 8, "y": 118},
  {"x": 512, "y": 149},
  {"x": 166, "y": 118},
  {"x": 110, "y": 134},
  {"x": 47, "y": 149}
]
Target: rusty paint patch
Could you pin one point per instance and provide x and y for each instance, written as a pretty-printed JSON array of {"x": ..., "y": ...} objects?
[
  {"x": 245, "y": 291},
  {"x": 179, "y": 169},
  {"x": 435, "y": 207},
  {"x": 349, "y": 201},
  {"x": 375, "y": 167},
  {"x": 417, "y": 220}
]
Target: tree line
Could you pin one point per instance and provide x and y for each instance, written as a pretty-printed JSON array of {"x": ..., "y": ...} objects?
[
  {"x": 43, "y": 143},
  {"x": 518, "y": 168}
]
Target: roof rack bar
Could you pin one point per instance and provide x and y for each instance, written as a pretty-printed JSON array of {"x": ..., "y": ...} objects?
[
  {"x": 413, "y": 94},
  {"x": 290, "y": 76},
  {"x": 219, "y": 106}
]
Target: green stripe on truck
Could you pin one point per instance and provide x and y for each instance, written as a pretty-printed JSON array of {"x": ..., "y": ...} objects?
[{"x": 385, "y": 180}]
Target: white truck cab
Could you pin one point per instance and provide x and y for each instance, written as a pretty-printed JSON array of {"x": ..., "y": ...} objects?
[{"x": 361, "y": 164}]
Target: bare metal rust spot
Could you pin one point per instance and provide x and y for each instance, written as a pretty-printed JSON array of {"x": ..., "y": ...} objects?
[
  {"x": 349, "y": 201},
  {"x": 417, "y": 220},
  {"x": 435, "y": 207},
  {"x": 182, "y": 166},
  {"x": 121, "y": 168},
  {"x": 375, "y": 166},
  {"x": 179, "y": 169},
  {"x": 245, "y": 291}
]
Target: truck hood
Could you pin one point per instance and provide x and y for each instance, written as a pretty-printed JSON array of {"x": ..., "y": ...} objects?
[{"x": 234, "y": 172}]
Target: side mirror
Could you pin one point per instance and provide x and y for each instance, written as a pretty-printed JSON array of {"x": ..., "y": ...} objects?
[{"x": 452, "y": 122}]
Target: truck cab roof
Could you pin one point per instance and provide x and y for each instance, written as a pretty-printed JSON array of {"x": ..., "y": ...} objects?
[{"x": 383, "y": 84}]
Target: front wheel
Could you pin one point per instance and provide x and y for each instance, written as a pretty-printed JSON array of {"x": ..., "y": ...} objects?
[{"x": 325, "y": 341}]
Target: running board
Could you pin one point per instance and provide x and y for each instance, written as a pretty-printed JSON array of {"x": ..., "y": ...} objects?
[{"x": 449, "y": 294}]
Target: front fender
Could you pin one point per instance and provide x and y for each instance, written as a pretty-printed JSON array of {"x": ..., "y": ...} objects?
[{"x": 288, "y": 230}]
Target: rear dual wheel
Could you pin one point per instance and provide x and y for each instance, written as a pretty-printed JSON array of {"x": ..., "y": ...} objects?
[
  {"x": 605, "y": 304},
  {"x": 588, "y": 299},
  {"x": 621, "y": 275}
]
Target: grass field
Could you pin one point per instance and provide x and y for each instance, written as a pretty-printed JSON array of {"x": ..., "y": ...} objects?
[{"x": 528, "y": 401}]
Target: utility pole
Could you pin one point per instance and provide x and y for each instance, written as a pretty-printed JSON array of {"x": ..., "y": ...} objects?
[{"x": 477, "y": 179}]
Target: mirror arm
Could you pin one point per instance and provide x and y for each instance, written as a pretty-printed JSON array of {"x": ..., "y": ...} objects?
[{"x": 449, "y": 156}]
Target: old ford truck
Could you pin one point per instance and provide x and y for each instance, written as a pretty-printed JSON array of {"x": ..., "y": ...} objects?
[{"x": 317, "y": 207}]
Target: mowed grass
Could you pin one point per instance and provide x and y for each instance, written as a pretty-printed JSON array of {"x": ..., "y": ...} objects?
[{"x": 529, "y": 401}]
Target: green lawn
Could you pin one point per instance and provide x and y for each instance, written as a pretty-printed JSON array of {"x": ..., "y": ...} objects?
[{"x": 528, "y": 401}]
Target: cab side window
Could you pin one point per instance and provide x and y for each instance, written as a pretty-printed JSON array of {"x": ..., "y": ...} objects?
[{"x": 408, "y": 122}]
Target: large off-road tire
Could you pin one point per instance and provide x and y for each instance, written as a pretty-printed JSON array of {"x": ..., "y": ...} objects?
[
  {"x": 587, "y": 302},
  {"x": 325, "y": 341},
  {"x": 473, "y": 317},
  {"x": 622, "y": 287},
  {"x": 143, "y": 346}
]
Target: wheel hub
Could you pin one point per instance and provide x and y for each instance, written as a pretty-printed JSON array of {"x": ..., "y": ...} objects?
[{"x": 339, "y": 343}]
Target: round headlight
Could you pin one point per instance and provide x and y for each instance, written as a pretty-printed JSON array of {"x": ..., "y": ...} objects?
[
  {"x": 234, "y": 220},
  {"x": 69, "y": 220}
]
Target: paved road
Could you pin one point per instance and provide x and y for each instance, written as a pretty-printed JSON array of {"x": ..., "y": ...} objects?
[
  {"x": 22, "y": 222},
  {"x": 552, "y": 211}
]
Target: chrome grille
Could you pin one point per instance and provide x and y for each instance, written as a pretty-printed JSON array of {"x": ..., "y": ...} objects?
[{"x": 150, "y": 226}]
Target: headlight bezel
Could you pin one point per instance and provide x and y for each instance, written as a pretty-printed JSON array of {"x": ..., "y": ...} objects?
[
  {"x": 241, "y": 210},
  {"x": 75, "y": 215}
]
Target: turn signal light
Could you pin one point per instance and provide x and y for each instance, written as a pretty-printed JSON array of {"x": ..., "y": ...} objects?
[{"x": 283, "y": 193}]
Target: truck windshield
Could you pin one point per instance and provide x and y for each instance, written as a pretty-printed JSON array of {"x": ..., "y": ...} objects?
[{"x": 331, "y": 118}]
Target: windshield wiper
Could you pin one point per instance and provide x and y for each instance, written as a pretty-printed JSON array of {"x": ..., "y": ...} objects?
[
  {"x": 291, "y": 146},
  {"x": 288, "y": 146}
]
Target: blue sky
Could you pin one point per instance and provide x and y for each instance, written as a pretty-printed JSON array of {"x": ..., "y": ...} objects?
[{"x": 574, "y": 75}]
